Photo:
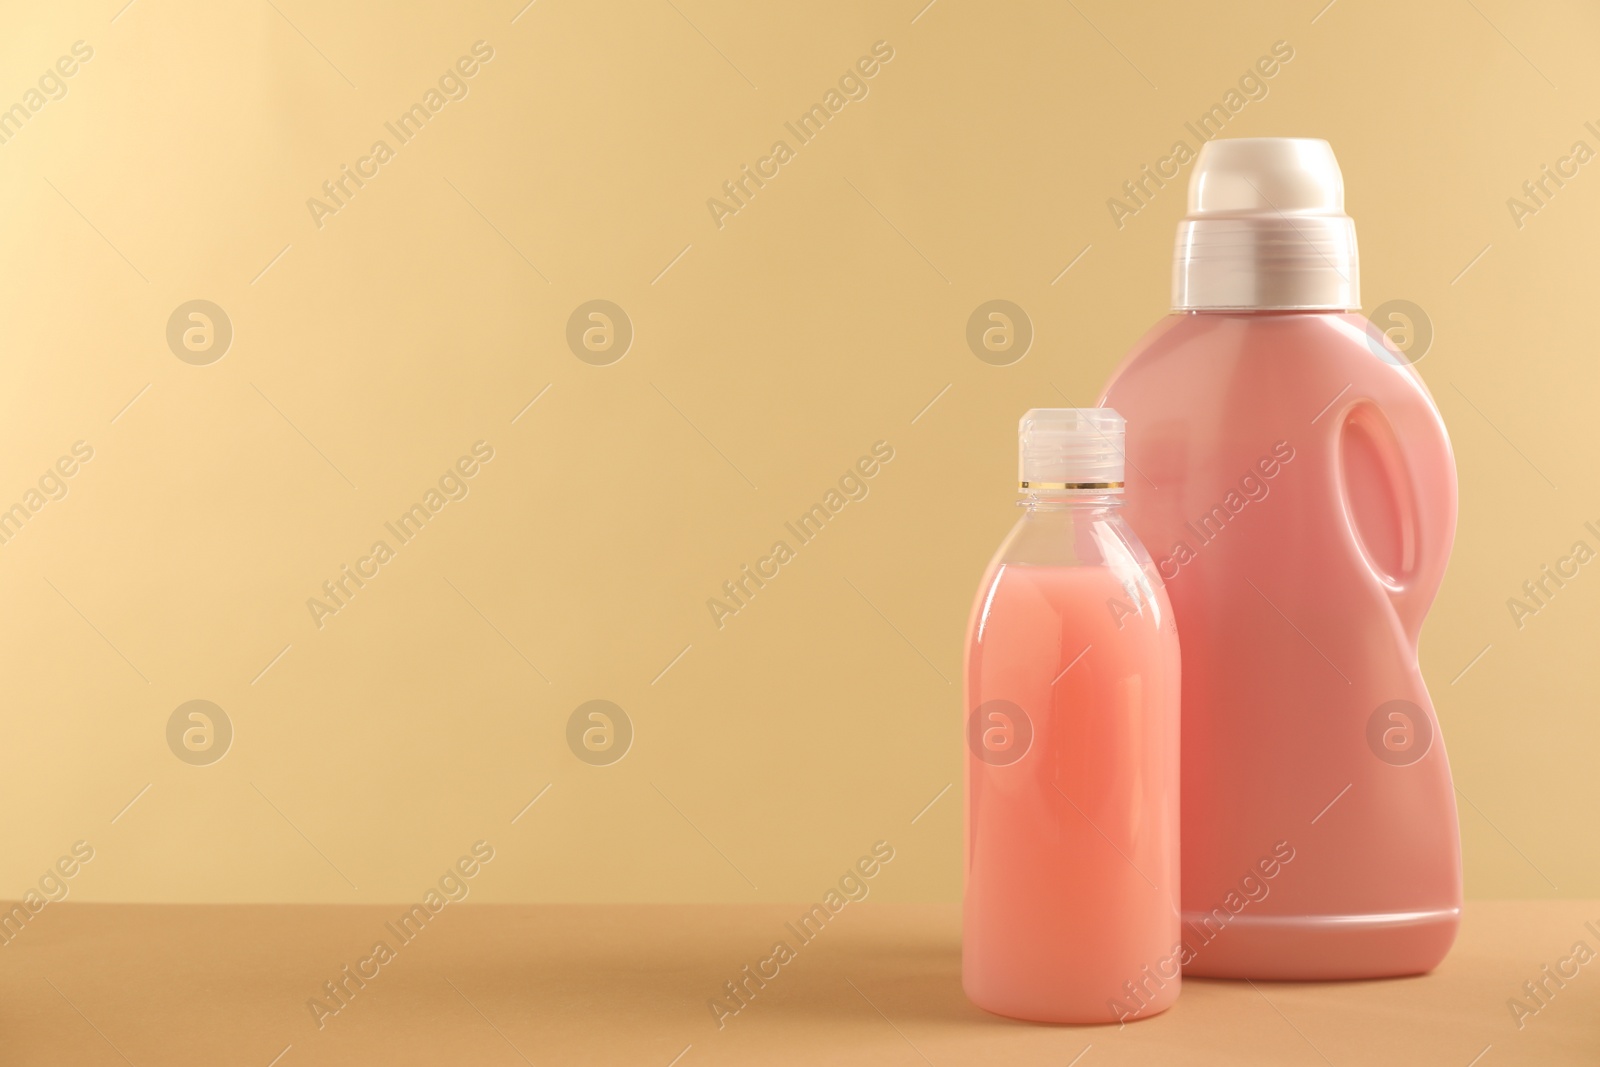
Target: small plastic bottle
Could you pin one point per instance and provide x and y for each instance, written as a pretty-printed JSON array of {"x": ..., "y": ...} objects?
[{"x": 1072, "y": 684}]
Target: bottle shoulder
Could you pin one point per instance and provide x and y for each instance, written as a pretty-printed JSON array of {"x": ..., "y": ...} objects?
[
  {"x": 1075, "y": 566},
  {"x": 1067, "y": 539},
  {"x": 1215, "y": 346},
  {"x": 1240, "y": 373}
]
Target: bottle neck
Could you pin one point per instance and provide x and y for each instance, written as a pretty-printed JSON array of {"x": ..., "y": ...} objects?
[
  {"x": 1069, "y": 500},
  {"x": 1067, "y": 529}
]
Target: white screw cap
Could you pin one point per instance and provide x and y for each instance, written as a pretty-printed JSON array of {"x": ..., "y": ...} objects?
[
  {"x": 1266, "y": 229},
  {"x": 1071, "y": 449}
]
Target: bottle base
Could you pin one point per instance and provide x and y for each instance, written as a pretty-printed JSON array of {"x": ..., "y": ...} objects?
[
  {"x": 1319, "y": 947},
  {"x": 1033, "y": 1008}
]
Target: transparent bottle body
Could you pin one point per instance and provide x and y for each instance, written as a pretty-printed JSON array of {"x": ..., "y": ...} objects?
[{"x": 1071, "y": 859}]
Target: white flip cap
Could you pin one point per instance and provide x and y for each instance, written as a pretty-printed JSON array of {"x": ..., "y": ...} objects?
[
  {"x": 1070, "y": 449},
  {"x": 1266, "y": 228}
]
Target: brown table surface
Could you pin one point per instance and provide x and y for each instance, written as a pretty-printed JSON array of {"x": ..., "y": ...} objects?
[{"x": 629, "y": 984}]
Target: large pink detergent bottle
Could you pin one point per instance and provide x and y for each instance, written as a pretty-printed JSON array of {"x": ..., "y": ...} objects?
[{"x": 1293, "y": 480}]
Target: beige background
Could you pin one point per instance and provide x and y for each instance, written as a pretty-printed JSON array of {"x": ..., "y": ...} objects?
[{"x": 769, "y": 354}]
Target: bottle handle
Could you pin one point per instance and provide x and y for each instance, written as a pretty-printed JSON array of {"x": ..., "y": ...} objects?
[{"x": 1413, "y": 451}]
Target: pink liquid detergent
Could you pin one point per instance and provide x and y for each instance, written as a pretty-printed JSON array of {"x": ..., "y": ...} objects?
[
  {"x": 1072, "y": 681},
  {"x": 1294, "y": 481}
]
